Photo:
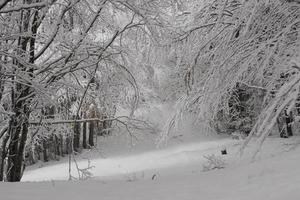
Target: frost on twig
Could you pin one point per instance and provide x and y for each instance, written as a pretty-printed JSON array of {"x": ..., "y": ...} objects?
[{"x": 83, "y": 173}]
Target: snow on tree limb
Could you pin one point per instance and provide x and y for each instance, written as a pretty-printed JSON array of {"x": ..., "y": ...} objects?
[
  {"x": 285, "y": 97},
  {"x": 25, "y": 6}
]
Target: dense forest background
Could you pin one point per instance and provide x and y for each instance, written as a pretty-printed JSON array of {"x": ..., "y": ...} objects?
[{"x": 72, "y": 70}]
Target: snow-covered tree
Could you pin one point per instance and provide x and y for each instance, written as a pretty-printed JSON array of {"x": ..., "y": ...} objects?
[
  {"x": 65, "y": 55},
  {"x": 231, "y": 55}
]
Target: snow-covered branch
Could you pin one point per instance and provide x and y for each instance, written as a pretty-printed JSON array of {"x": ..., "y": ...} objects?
[{"x": 25, "y": 6}]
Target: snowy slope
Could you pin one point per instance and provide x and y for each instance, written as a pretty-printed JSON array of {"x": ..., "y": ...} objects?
[{"x": 275, "y": 175}]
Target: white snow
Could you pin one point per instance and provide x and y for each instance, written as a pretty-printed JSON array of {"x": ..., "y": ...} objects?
[
  {"x": 177, "y": 173},
  {"x": 125, "y": 165}
]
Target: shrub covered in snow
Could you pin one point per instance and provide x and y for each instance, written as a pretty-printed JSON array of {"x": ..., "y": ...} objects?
[{"x": 213, "y": 162}]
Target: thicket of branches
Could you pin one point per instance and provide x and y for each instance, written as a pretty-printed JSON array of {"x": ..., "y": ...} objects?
[
  {"x": 235, "y": 58},
  {"x": 68, "y": 63}
]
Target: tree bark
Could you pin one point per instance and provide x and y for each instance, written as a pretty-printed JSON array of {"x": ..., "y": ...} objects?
[
  {"x": 21, "y": 98},
  {"x": 18, "y": 134},
  {"x": 61, "y": 145},
  {"x": 289, "y": 121},
  {"x": 3, "y": 154},
  {"x": 91, "y": 133},
  {"x": 76, "y": 141},
  {"x": 45, "y": 153},
  {"x": 84, "y": 143}
]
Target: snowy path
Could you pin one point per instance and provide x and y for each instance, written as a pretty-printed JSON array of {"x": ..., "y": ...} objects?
[{"x": 152, "y": 161}]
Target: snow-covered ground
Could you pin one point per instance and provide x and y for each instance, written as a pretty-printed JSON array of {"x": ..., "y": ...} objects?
[
  {"x": 123, "y": 166},
  {"x": 173, "y": 173},
  {"x": 139, "y": 171}
]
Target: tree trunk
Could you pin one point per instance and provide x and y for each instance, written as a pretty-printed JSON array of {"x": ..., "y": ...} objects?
[
  {"x": 45, "y": 153},
  {"x": 18, "y": 134},
  {"x": 281, "y": 127},
  {"x": 84, "y": 143},
  {"x": 21, "y": 98},
  {"x": 76, "y": 141},
  {"x": 61, "y": 145},
  {"x": 91, "y": 134},
  {"x": 67, "y": 145},
  {"x": 57, "y": 145},
  {"x": 289, "y": 121},
  {"x": 3, "y": 154}
]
